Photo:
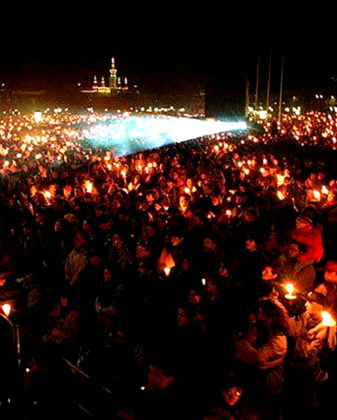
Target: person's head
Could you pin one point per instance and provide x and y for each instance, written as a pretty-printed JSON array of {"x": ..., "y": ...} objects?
[
  {"x": 184, "y": 200},
  {"x": 80, "y": 240},
  {"x": 194, "y": 297},
  {"x": 145, "y": 267},
  {"x": 176, "y": 238},
  {"x": 209, "y": 243},
  {"x": 182, "y": 317},
  {"x": 198, "y": 219},
  {"x": 94, "y": 257},
  {"x": 269, "y": 273},
  {"x": 303, "y": 222},
  {"x": 250, "y": 215},
  {"x": 88, "y": 225},
  {"x": 64, "y": 301},
  {"x": 293, "y": 250},
  {"x": 210, "y": 285},
  {"x": 117, "y": 241},
  {"x": 232, "y": 394},
  {"x": 330, "y": 271},
  {"x": 58, "y": 225},
  {"x": 216, "y": 200},
  {"x": 268, "y": 310},
  {"x": 107, "y": 276},
  {"x": 251, "y": 244},
  {"x": 143, "y": 251},
  {"x": 251, "y": 335},
  {"x": 185, "y": 264},
  {"x": 158, "y": 377}
]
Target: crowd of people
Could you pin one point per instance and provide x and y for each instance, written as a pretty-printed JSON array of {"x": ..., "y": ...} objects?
[{"x": 194, "y": 281}]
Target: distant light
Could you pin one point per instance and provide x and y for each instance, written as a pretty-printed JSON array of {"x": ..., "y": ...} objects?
[
  {"x": 38, "y": 116},
  {"x": 262, "y": 114}
]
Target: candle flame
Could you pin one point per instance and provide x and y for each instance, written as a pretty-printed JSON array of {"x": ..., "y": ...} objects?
[
  {"x": 289, "y": 288},
  {"x": 47, "y": 194},
  {"x": 280, "y": 195},
  {"x": 6, "y": 308},
  {"x": 88, "y": 185},
  {"x": 167, "y": 271},
  {"x": 327, "y": 319},
  {"x": 324, "y": 190},
  {"x": 280, "y": 179},
  {"x": 317, "y": 195}
]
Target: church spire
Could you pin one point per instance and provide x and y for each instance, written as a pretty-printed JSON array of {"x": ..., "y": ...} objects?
[
  {"x": 94, "y": 85},
  {"x": 113, "y": 75}
]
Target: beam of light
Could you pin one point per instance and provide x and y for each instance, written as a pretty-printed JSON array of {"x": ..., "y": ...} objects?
[{"x": 132, "y": 134}]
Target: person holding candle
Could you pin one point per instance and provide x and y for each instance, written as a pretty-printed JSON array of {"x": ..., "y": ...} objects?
[
  {"x": 306, "y": 234},
  {"x": 302, "y": 274},
  {"x": 326, "y": 293}
]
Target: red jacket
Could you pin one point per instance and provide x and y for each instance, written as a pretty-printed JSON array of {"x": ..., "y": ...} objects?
[{"x": 311, "y": 238}]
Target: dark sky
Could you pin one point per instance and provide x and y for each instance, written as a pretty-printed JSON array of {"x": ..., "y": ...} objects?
[{"x": 166, "y": 48}]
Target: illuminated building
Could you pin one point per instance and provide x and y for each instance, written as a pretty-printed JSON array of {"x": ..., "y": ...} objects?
[{"x": 115, "y": 88}]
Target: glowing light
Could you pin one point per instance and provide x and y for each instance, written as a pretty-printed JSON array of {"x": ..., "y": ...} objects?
[
  {"x": 38, "y": 116},
  {"x": 317, "y": 195},
  {"x": 138, "y": 133},
  {"x": 47, "y": 195},
  {"x": 280, "y": 195},
  {"x": 280, "y": 179},
  {"x": 327, "y": 319},
  {"x": 88, "y": 185},
  {"x": 290, "y": 289},
  {"x": 324, "y": 190},
  {"x": 167, "y": 271},
  {"x": 6, "y": 308}
]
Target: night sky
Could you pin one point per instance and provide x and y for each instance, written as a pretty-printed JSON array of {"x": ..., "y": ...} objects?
[{"x": 167, "y": 49}]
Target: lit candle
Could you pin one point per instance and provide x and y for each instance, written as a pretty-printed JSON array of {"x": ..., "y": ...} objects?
[
  {"x": 290, "y": 289},
  {"x": 167, "y": 271}
]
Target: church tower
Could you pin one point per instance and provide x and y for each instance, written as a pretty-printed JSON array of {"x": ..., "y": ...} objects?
[
  {"x": 113, "y": 76},
  {"x": 94, "y": 86}
]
